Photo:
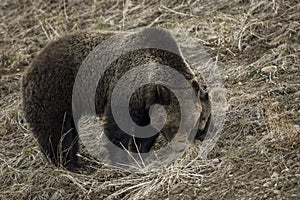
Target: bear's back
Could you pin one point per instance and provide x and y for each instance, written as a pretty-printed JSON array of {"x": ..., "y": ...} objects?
[{"x": 48, "y": 82}]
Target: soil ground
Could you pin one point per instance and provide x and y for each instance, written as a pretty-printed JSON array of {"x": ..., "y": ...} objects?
[{"x": 258, "y": 153}]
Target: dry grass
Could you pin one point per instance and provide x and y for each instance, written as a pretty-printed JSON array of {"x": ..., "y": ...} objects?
[
  {"x": 283, "y": 132},
  {"x": 256, "y": 157}
]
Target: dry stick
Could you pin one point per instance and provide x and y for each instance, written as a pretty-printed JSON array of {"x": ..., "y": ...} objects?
[
  {"x": 154, "y": 21},
  {"x": 128, "y": 188},
  {"x": 176, "y": 12},
  {"x": 65, "y": 10},
  {"x": 136, "y": 146},
  {"x": 130, "y": 156},
  {"x": 59, "y": 148},
  {"x": 51, "y": 27},
  {"x": 125, "y": 9},
  {"x": 61, "y": 140},
  {"x": 45, "y": 32},
  {"x": 71, "y": 178}
]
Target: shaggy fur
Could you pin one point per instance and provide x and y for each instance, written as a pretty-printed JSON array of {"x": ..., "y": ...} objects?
[{"x": 47, "y": 95}]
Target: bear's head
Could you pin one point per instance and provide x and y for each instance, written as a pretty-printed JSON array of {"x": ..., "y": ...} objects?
[{"x": 174, "y": 112}]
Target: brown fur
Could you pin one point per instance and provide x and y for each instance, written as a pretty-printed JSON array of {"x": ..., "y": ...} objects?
[{"x": 47, "y": 95}]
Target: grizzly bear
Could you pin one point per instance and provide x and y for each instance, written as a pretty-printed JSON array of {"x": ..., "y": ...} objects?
[{"x": 48, "y": 83}]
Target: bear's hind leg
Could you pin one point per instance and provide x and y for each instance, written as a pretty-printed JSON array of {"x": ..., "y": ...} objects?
[
  {"x": 58, "y": 140},
  {"x": 68, "y": 144}
]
